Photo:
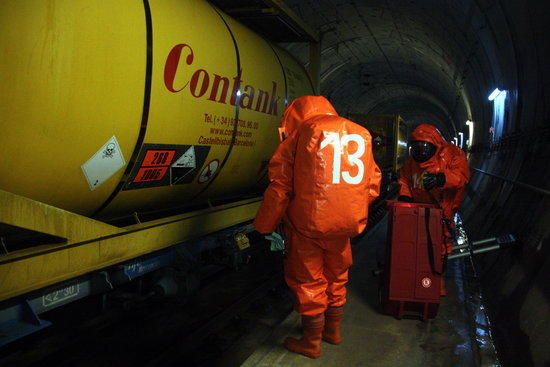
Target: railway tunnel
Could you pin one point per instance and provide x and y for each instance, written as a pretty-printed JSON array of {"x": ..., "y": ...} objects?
[{"x": 202, "y": 86}]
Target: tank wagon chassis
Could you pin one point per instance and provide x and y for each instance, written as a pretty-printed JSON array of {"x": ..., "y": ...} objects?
[{"x": 93, "y": 258}]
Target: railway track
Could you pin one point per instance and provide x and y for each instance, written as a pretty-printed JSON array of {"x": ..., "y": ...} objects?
[{"x": 134, "y": 331}]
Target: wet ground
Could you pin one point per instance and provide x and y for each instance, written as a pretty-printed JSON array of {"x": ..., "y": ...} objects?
[{"x": 373, "y": 339}]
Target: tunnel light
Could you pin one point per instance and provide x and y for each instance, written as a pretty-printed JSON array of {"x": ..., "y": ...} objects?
[
  {"x": 461, "y": 134},
  {"x": 470, "y": 140},
  {"x": 494, "y": 94},
  {"x": 499, "y": 113},
  {"x": 402, "y": 143}
]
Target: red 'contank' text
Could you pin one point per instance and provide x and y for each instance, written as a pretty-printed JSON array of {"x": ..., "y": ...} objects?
[{"x": 216, "y": 87}]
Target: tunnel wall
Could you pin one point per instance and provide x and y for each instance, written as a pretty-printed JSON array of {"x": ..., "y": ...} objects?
[{"x": 516, "y": 281}]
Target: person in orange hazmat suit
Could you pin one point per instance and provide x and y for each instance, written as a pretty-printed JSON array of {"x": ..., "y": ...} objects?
[
  {"x": 322, "y": 179},
  {"x": 436, "y": 173}
]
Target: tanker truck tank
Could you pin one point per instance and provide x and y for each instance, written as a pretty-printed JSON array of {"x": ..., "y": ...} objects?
[{"x": 136, "y": 105}]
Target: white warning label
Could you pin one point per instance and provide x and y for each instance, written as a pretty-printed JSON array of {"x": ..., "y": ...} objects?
[
  {"x": 187, "y": 160},
  {"x": 103, "y": 164},
  {"x": 183, "y": 166},
  {"x": 208, "y": 171}
]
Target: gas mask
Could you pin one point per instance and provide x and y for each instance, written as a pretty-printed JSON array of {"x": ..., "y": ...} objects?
[{"x": 421, "y": 151}]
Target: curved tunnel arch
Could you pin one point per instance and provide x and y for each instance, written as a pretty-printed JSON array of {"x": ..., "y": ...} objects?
[
  {"x": 457, "y": 38},
  {"x": 346, "y": 89}
]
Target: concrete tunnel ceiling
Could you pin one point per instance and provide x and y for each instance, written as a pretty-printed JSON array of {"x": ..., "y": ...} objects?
[{"x": 427, "y": 60}]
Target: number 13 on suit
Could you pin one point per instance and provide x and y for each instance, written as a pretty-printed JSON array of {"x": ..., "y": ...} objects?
[{"x": 338, "y": 143}]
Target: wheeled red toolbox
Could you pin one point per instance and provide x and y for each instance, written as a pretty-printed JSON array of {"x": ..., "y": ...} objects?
[{"x": 413, "y": 266}]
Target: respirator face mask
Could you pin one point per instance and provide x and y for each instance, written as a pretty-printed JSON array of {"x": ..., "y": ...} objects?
[{"x": 421, "y": 151}]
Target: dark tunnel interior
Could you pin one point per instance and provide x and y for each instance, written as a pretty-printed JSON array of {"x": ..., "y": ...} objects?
[{"x": 438, "y": 62}]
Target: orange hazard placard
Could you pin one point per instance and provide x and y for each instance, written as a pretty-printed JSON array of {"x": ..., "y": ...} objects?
[
  {"x": 158, "y": 158},
  {"x": 147, "y": 174},
  {"x": 155, "y": 165}
]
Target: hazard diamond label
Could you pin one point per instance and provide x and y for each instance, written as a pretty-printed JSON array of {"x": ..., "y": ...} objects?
[
  {"x": 187, "y": 160},
  {"x": 103, "y": 164}
]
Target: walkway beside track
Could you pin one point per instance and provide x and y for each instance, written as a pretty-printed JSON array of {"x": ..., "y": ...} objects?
[{"x": 373, "y": 339}]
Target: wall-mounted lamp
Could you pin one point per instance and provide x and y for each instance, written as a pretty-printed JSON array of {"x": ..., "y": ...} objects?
[
  {"x": 494, "y": 94},
  {"x": 498, "y": 97},
  {"x": 470, "y": 140}
]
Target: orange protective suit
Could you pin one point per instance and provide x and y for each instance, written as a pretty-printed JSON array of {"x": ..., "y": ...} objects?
[
  {"x": 322, "y": 179},
  {"x": 449, "y": 160}
]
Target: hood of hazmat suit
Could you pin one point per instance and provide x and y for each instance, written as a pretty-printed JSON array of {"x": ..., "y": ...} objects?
[
  {"x": 302, "y": 110},
  {"x": 429, "y": 134},
  {"x": 448, "y": 159}
]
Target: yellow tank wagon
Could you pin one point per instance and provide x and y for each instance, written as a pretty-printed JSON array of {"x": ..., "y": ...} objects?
[
  {"x": 389, "y": 139},
  {"x": 109, "y": 108}
]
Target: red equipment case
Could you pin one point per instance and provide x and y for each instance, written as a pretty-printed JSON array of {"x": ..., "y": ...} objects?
[{"x": 412, "y": 274}]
